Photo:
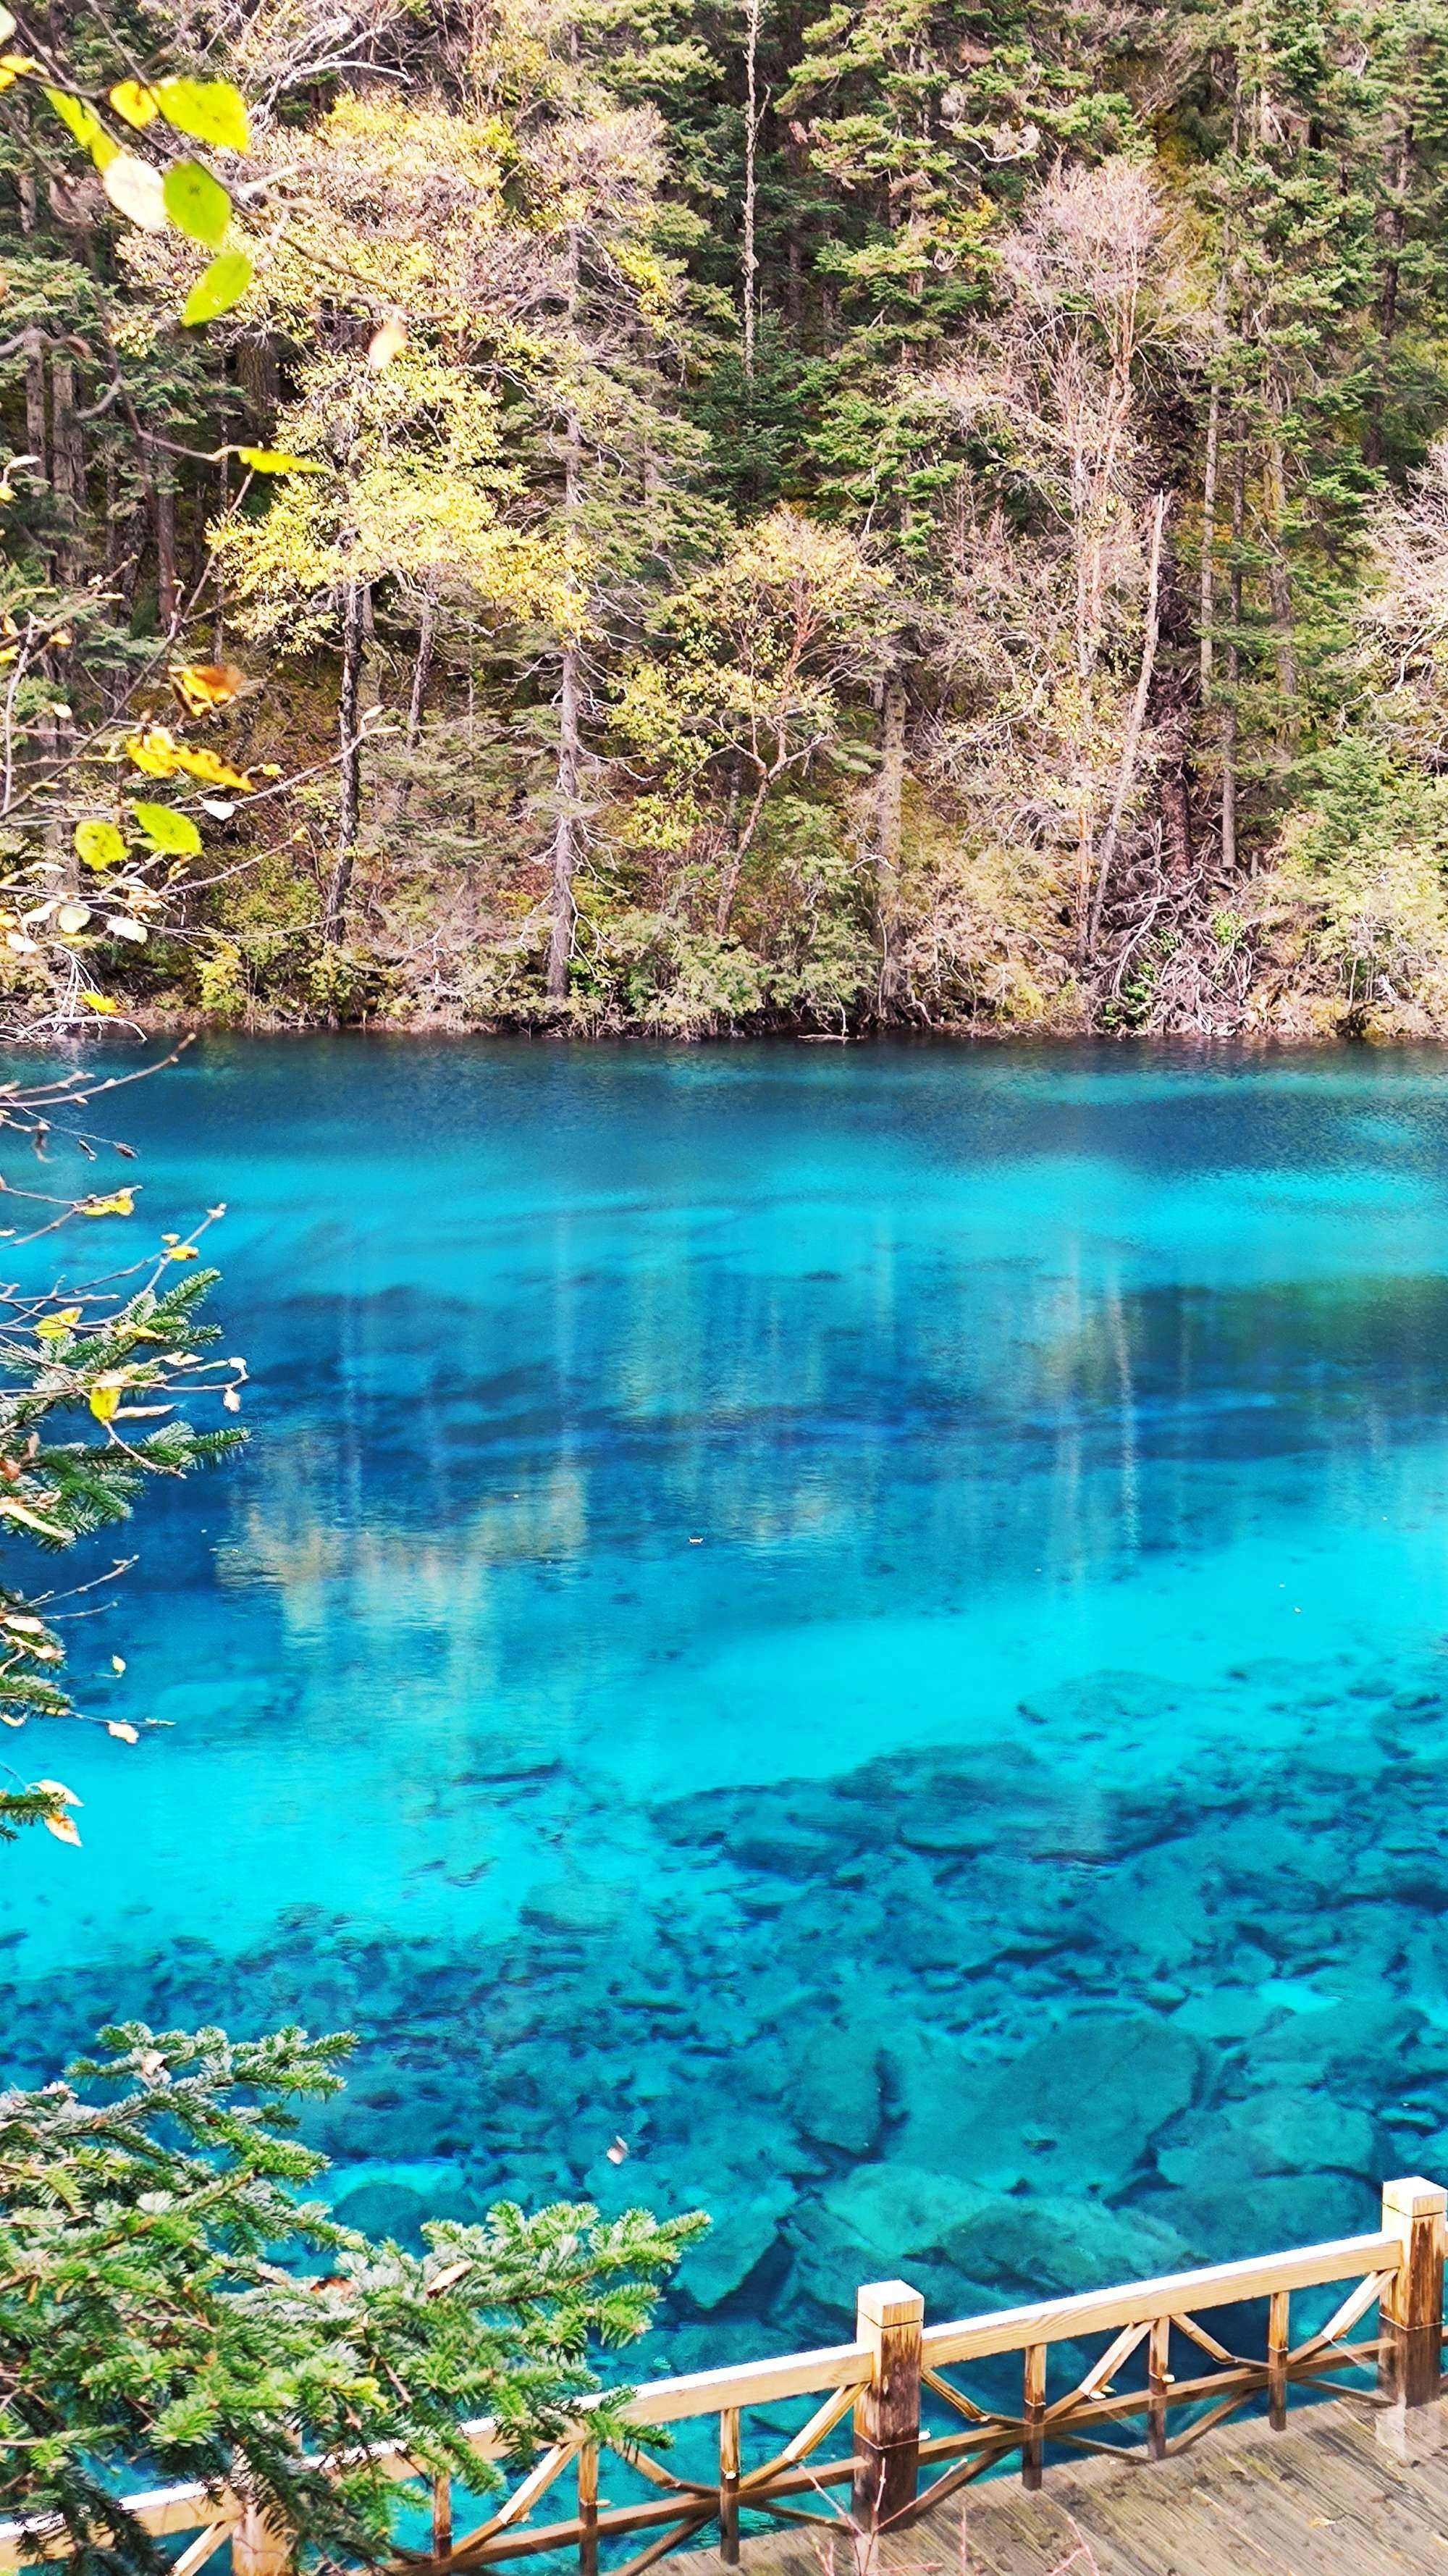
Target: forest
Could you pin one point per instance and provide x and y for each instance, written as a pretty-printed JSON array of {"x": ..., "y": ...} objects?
[{"x": 814, "y": 515}]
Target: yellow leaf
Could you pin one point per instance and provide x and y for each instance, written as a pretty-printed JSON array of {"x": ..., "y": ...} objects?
[
  {"x": 276, "y": 460},
  {"x": 133, "y": 101},
  {"x": 71, "y": 918},
  {"x": 11, "y": 67},
  {"x": 183, "y": 1252},
  {"x": 104, "y": 1400},
  {"x": 137, "y": 191},
  {"x": 199, "y": 763},
  {"x": 62, "y": 1828},
  {"x": 100, "y": 1002},
  {"x": 7, "y": 26},
  {"x": 154, "y": 751},
  {"x": 387, "y": 343},
  {"x": 117, "y": 1203},
  {"x": 123, "y": 1733},
  {"x": 64, "y": 1320},
  {"x": 118, "y": 1663},
  {"x": 200, "y": 686}
]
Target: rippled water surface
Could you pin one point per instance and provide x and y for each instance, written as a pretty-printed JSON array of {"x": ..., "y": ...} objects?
[{"x": 869, "y": 1622}]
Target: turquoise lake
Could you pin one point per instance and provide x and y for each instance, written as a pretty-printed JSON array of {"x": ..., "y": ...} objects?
[{"x": 871, "y": 1623}]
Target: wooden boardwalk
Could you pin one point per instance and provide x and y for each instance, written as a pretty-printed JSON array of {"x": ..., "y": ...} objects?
[{"x": 1321, "y": 2499}]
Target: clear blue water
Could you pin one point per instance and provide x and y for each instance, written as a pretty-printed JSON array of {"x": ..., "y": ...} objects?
[{"x": 869, "y": 1622}]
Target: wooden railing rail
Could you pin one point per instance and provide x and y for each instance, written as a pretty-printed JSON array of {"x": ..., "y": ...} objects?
[{"x": 880, "y": 2379}]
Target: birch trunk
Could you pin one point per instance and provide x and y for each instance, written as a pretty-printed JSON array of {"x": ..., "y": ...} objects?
[
  {"x": 570, "y": 710},
  {"x": 889, "y": 814},
  {"x": 349, "y": 801},
  {"x": 751, "y": 146},
  {"x": 1136, "y": 725},
  {"x": 421, "y": 673},
  {"x": 1234, "y": 655}
]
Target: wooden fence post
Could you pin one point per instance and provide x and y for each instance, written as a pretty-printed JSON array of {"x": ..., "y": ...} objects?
[
  {"x": 729, "y": 2485},
  {"x": 890, "y": 2318},
  {"x": 588, "y": 2509},
  {"x": 1410, "y": 2370},
  {"x": 259, "y": 2546}
]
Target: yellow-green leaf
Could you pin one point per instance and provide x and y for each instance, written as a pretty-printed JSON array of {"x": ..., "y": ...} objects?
[
  {"x": 85, "y": 125},
  {"x": 212, "y": 111},
  {"x": 99, "y": 844},
  {"x": 218, "y": 287},
  {"x": 166, "y": 830},
  {"x": 197, "y": 204},
  {"x": 275, "y": 460},
  {"x": 137, "y": 191},
  {"x": 7, "y": 26}
]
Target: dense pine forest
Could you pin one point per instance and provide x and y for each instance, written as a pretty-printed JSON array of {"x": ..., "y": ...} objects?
[{"x": 807, "y": 514}]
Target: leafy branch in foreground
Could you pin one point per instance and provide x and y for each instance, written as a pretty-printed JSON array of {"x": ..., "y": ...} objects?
[
  {"x": 170, "y": 2307},
  {"x": 118, "y": 1352}
]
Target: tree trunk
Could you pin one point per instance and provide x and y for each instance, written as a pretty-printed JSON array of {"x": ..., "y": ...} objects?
[
  {"x": 737, "y": 856},
  {"x": 888, "y": 818},
  {"x": 570, "y": 709},
  {"x": 421, "y": 673},
  {"x": 751, "y": 147},
  {"x": 1393, "y": 228},
  {"x": 565, "y": 830},
  {"x": 163, "y": 516},
  {"x": 1234, "y": 655},
  {"x": 349, "y": 801},
  {"x": 37, "y": 438},
  {"x": 1209, "y": 535},
  {"x": 1279, "y": 582},
  {"x": 1131, "y": 748}
]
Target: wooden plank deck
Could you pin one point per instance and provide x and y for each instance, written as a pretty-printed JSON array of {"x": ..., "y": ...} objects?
[{"x": 1322, "y": 2498}]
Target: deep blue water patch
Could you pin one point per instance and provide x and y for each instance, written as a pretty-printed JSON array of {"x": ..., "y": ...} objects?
[{"x": 871, "y": 1622}]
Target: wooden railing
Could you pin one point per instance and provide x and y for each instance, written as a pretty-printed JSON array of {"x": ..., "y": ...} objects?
[{"x": 895, "y": 2369}]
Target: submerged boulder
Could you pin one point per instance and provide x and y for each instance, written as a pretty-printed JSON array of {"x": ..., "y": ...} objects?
[
  {"x": 734, "y": 2249},
  {"x": 882, "y": 2222},
  {"x": 1034, "y": 2249},
  {"x": 836, "y": 2096},
  {"x": 1075, "y": 2112}
]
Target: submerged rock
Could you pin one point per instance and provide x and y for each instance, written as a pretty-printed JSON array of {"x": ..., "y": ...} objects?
[
  {"x": 1030, "y": 2249},
  {"x": 836, "y": 2096},
  {"x": 737, "y": 2245},
  {"x": 1077, "y": 2111}
]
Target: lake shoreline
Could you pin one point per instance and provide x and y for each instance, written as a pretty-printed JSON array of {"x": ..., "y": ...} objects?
[{"x": 189, "y": 1025}]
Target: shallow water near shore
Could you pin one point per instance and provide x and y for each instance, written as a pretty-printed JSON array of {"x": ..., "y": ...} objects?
[{"x": 870, "y": 1622}]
